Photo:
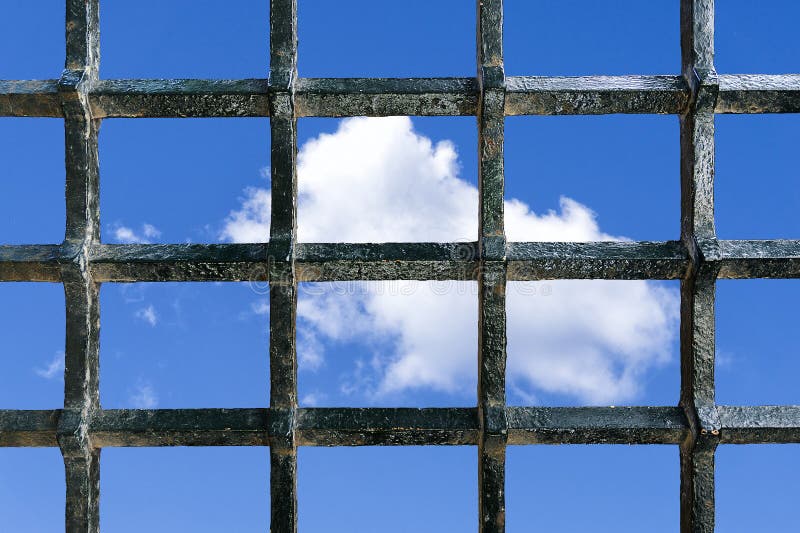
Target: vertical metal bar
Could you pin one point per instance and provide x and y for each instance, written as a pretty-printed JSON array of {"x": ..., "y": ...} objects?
[
  {"x": 698, "y": 288},
  {"x": 81, "y": 385},
  {"x": 283, "y": 283},
  {"x": 493, "y": 269}
]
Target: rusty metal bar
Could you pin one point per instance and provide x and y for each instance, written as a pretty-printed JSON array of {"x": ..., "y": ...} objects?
[
  {"x": 698, "y": 287},
  {"x": 82, "y": 358},
  {"x": 344, "y": 97},
  {"x": 491, "y": 270},
  {"x": 527, "y": 261},
  {"x": 595, "y": 95},
  {"x": 281, "y": 267},
  {"x": 758, "y": 93},
  {"x": 352, "y": 426}
]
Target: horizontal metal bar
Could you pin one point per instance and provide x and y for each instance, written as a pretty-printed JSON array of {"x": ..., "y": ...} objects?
[
  {"x": 402, "y": 426},
  {"x": 393, "y": 261},
  {"x": 596, "y": 260},
  {"x": 20, "y": 428},
  {"x": 180, "y": 427},
  {"x": 760, "y": 259},
  {"x": 759, "y": 424},
  {"x": 179, "y": 262},
  {"x": 758, "y": 93},
  {"x": 180, "y": 98},
  {"x": 596, "y": 425},
  {"x": 593, "y": 95},
  {"x": 342, "y": 97},
  {"x": 31, "y": 262},
  {"x": 386, "y": 261},
  {"x": 30, "y": 98},
  {"x": 386, "y": 426}
]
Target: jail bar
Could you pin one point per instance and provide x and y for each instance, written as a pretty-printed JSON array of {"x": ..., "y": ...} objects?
[{"x": 696, "y": 427}]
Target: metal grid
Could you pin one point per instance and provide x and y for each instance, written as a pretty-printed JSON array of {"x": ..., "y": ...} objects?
[{"x": 82, "y": 262}]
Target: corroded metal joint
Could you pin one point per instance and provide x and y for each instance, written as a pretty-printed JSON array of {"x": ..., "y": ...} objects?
[{"x": 704, "y": 86}]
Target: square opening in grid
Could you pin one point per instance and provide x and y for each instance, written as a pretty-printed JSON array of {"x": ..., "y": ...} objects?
[
  {"x": 756, "y": 339},
  {"x": 32, "y": 326},
  {"x": 32, "y": 186},
  {"x": 388, "y": 179},
  {"x": 592, "y": 178},
  {"x": 185, "y": 39},
  {"x": 615, "y": 488},
  {"x": 181, "y": 180},
  {"x": 756, "y": 179},
  {"x": 757, "y": 487},
  {"x": 32, "y": 36},
  {"x": 593, "y": 342},
  {"x": 185, "y": 489},
  {"x": 756, "y": 37},
  {"x": 574, "y": 37},
  {"x": 32, "y": 489},
  {"x": 362, "y": 38},
  {"x": 387, "y": 343},
  {"x": 387, "y": 489},
  {"x": 177, "y": 345}
]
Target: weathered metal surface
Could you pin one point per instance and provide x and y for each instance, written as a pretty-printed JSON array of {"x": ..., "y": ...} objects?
[
  {"x": 596, "y": 260},
  {"x": 387, "y": 426},
  {"x": 81, "y": 262},
  {"x": 30, "y": 262},
  {"x": 389, "y": 261},
  {"x": 758, "y": 93},
  {"x": 595, "y": 95},
  {"x": 697, "y": 288},
  {"x": 28, "y": 428},
  {"x": 82, "y": 357},
  {"x": 343, "y": 97},
  {"x": 30, "y": 98},
  {"x": 179, "y": 262},
  {"x": 759, "y": 259},
  {"x": 377, "y": 426},
  {"x": 283, "y": 283},
  {"x": 759, "y": 424},
  {"x": 492, "y": 271},
  {"x": 596, "y": 425},
  {"x": 180, "y": 98},
  {"x": 180, "y": 427},
  {"x": 737, "y": 259}
]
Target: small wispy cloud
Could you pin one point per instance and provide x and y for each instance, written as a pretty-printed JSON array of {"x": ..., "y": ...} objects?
[
  {"x": 150, "y": 231},
  {"x": 312, "y": 399},
  {"x": 261, "y": 307},
  {"x": 126, "y": 235},
  {"x": 310, "y": 351},
  {"x": 53, "y": 368},
  {"x": 723, "y": 358},
  {"x": 147, "y": 314},
  {"x": 144, "y": 396}
]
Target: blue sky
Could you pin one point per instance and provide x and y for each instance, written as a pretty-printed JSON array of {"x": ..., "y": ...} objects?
[{"x": 205, "y": 345}]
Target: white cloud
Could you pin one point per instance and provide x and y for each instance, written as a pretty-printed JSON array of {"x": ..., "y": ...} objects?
[
  {"x": 144, "y": 396},
  {"x": 126, "y": 235},
  {"x": 147, "y": 314},
  {"x": 377, "y": 180},
  {"x": 53, "y": 369},
  {"x": 251, "y": 223},
  {"x": 260, "y": 307},
  {"x": 312, "y": 399},
  {"x": 150, "y": 231}
]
